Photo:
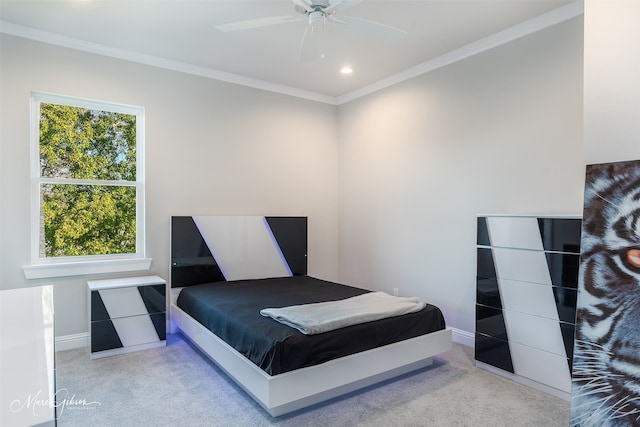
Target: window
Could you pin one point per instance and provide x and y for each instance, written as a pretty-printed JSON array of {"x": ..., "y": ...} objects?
[{"x": 87, "y": 187}]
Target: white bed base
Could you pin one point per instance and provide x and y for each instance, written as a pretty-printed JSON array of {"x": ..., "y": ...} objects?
[{"x": 290, "y": 391}]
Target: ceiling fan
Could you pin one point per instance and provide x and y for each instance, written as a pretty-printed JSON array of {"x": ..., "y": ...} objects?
[{"x": 318, "y": 13}]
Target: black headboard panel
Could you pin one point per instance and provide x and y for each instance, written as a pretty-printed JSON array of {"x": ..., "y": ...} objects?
[{"x": 208, "y": 249}]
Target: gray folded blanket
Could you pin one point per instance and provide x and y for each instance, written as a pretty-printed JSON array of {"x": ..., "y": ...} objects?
[{"x": 326, "y": 316}]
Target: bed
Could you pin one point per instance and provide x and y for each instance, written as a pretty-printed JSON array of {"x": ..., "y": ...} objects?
[{"x": 224, "y": 270}]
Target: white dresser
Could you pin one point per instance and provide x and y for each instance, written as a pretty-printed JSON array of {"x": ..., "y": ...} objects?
[
  {"x": 126, "y": 314},
  {"x": 27, "y": 360},
  {"x": 527, "y": 280}
]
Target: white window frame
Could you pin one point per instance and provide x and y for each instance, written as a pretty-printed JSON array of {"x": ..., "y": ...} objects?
[{"x": 44, "y": 267}]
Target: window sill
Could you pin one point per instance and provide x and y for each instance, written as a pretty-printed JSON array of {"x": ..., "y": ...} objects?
[{"x": 85, "y": 268}]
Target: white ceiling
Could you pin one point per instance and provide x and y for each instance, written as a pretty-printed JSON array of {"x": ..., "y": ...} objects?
[{"x": 180, "y": 34}]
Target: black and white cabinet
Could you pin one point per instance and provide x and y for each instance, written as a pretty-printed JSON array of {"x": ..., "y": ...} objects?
[
  {"x": 527, "y": 276},
  {"x": 127, "y": 314},
  {"x": 27, "y": 358}
]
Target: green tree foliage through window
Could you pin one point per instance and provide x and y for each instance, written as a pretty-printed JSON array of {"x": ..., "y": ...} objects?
[{"x": 88, "y": 181}]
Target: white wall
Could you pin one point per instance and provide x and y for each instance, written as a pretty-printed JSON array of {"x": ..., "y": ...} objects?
[
  {"x": 611, "y": 81},
  {"x": 500, "y": 132},
  {"x": 211, "y": 148}
]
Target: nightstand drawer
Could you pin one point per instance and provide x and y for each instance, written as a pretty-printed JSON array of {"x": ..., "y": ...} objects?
[
  {"x": 128, "y": 301},
  {"x": 127, "y": 331}
]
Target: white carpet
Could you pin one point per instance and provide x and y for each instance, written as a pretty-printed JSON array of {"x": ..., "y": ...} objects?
[{"x": 178, "y": 386}]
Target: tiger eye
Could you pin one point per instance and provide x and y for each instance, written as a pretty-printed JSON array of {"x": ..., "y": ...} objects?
[{"x": 633, "y": 257}]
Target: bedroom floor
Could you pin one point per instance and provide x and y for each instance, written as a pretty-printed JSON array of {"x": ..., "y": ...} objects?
[{"x": 177, "y": 386}]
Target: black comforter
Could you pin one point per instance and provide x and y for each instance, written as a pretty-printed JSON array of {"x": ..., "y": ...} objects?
[{"x": 231, "y": 310}]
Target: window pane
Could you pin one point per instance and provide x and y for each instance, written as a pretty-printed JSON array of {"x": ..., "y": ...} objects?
[
  {"x": 81, "y": 220},
  {"x": 81, "y": 143}
]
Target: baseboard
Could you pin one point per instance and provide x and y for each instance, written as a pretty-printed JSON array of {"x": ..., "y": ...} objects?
[
  {"x": 463, "y": 337},
  {"x": 69, "y": 342}
]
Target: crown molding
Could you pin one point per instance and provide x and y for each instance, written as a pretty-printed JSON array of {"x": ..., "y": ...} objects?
[
  {"x": 155, "y": 61},
  {"x": 523, "y": 29}
]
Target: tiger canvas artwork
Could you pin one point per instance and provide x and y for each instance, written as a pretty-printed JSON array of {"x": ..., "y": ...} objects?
[{"x": 606, "y": 364}]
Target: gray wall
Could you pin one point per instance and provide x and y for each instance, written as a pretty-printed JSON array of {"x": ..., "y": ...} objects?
[
  {"x": 500, "y": 132},
  {"x": 211, "y": 148},
  {"x": 611, "y": 83},
  {"x": 408, "y": 167}
]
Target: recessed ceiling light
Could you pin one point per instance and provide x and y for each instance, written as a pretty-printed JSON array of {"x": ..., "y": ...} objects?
[{"x": 346, "y": 70}]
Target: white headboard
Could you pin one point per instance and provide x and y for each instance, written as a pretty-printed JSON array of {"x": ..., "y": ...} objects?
[{"x": 223, "y": 248}]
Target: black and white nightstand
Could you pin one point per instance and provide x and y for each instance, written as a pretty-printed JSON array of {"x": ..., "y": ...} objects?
[{"x": 126, "y": 314}]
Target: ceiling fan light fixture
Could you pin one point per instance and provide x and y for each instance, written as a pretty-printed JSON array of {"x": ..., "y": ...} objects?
[{"x": 316, "y": 19}]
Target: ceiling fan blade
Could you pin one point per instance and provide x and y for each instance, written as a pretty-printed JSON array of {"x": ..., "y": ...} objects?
[
  {"x": 257, "y": 23},
  {"x": 311, "y": 46},
  {"x": 370, "y": 28},
  {"x": 340, "y": 5},
  {"x": 305, "y": 4}
]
